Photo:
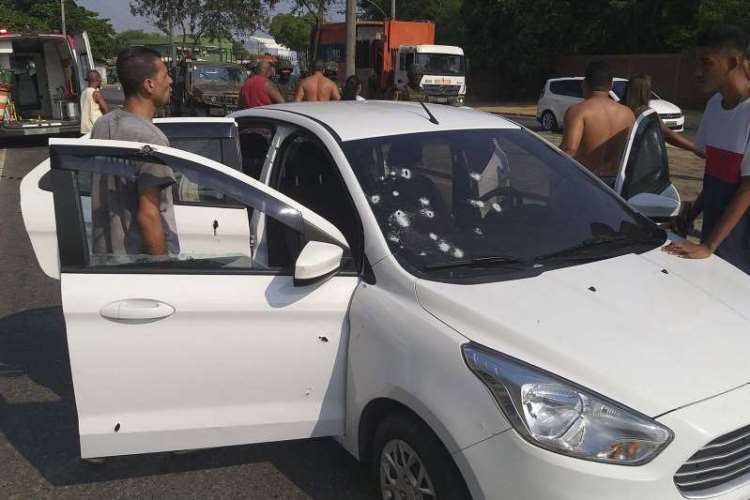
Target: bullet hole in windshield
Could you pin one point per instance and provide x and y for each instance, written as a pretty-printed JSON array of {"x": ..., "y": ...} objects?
[
  {"x": 394, "y": 238},
  {"x": 401, "y": 219},
  {"x": 433, "y": 236},
  {"x": 427, "y": 213},
  {"x": 424, "y": 202},
  {"x": 444, "y": 247},
  {"x": 395, "y": 194},
  {"x": 496, "y": 207},
  {"x": 406, "y": 173},
  {"x": 375, "y": 199},
  {"x": 458, "y": 253},
  {"x": 476, "y": 203},
  {"x": 478, "y": 231}
]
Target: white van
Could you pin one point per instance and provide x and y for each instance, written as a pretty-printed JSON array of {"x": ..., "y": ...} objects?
[
  {"x": 559, "y": 94},
  {"x": 48, "y": 72}
]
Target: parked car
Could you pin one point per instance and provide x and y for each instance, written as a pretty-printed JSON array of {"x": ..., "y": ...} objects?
[
  {"x": 559, "y": 94},
  {"x": 456, "y": 301}
]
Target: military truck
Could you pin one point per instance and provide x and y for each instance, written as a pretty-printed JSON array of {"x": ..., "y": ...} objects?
[{"x": 203, "y": 88}]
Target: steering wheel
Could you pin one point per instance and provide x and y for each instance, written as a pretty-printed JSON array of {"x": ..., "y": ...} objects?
[{"x": 502, "y": 191}]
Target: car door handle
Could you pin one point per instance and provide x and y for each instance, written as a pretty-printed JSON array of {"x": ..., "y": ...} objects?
[{"x": 136, "y": 310}]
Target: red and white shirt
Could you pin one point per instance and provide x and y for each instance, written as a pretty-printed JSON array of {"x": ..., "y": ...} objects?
[{"x": 724, "y": 134}]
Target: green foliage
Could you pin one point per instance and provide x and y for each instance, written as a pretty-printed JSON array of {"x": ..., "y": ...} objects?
[
  {"x": 293, "y": 31},
  {"x": 521, "y": 39},
  {"x": 44, "y": 16},
  {"x": 211, "y": 19}
]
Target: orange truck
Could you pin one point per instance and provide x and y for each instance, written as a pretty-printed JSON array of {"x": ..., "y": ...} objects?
[{"x": 387, "y": 50}]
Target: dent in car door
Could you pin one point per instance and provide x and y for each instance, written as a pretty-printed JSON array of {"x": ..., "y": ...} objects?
[{"x": 172, "y": 354}]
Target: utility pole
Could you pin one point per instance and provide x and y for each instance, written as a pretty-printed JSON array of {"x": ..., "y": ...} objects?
[
  {"x": 62, "y": 11},
  {"x": 351, "y": 37},
  {"x": 170, "y": 28},
  {"x": 393, "y": 9}
]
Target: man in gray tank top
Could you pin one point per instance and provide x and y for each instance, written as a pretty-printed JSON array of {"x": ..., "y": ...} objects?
[{"x": 135, "y": 215}]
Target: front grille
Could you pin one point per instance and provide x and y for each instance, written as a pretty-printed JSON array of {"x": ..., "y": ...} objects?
[
  {"x": 670, "y": 116},
  {"x": 722, "y": 464},
  {"x": 441, "y": 89}
]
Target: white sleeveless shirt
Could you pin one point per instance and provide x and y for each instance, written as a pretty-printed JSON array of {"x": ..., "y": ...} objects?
[{"x": 90, "y": 110}]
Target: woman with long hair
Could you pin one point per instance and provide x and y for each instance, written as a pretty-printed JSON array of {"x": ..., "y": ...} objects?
[
  {"x": 352, "y": 88},
  {"x": 637, "y": 97}
]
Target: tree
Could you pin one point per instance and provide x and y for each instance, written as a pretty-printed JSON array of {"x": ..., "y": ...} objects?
[
  {"x": 44, "y": 15},
  {"x": 211, "y": 19},
  {"x": 293, "y": 31},
  {"x": 315, "y": 10}
]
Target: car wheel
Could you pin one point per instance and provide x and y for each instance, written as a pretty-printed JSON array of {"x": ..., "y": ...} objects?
[
  {"x": 410, "y": 462},
  {"x": 548, "y": 121}
]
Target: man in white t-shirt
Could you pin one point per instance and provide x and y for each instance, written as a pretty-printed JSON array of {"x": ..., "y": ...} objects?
[
  {"x": 93, "y": 105},
  {"x": 724, "y": 135}
]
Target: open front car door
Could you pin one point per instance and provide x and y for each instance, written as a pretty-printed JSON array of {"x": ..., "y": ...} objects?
[
  {"x": 196, "y": 350},
  {"x": 643, "y": 178}
]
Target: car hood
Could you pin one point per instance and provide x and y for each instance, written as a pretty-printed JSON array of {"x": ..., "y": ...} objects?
[
  {"x": 218, "y": 87},
  {"x": 663, "y": 107},
  {"x": 651, "y": 331}
]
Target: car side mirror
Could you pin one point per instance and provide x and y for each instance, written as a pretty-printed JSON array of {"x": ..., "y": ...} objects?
[
  {"x": 317, "y": 262},
  {"x": 655, "y": 206}
]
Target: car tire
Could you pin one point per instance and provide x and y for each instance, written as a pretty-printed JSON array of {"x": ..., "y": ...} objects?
[
  {"x": 403, "y": 437},
  {"x": 548, "y": 121}
]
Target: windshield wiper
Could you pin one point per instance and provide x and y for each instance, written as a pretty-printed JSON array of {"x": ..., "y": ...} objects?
[
  {"x": 488, "y": 261},
  {"x": 597, "y": 247}
]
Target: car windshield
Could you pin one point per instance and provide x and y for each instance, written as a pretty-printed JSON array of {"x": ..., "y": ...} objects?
[
  {"x": 228, "y": 74},
  {"x": 487, "y": 205},
  {"x": 441, "y": 64}
]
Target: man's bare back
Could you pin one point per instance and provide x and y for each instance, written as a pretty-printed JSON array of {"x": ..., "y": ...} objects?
[
  {"x": 596, "y": 131},
  {"x": 317, "y": 87}
]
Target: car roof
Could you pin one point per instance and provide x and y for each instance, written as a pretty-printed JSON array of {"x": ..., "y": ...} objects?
[{"x": 352, "y": 120}]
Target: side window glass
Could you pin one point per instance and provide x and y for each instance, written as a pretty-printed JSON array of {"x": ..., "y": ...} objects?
[
  {"x": 647, "y": 168},
  {"x": 409, "y": 60},
  {"x": 308, "y": 175},
  {"x": 557, "y": 88},
  {"x": 110, "y": 192},
  {"x": 255, "y": 141}
]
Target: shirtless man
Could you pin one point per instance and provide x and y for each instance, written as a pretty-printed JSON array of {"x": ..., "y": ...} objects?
[
  {"x": 596, "y": 129},
  {"x": 317, "y": 87}
]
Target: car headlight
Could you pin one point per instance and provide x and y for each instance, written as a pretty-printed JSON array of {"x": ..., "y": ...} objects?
[{"x": 559, "y": 416}]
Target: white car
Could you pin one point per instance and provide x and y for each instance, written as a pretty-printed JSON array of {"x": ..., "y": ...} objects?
[
  {"x": 455, "y": 301},
  {"x": 559, "y": 94}
]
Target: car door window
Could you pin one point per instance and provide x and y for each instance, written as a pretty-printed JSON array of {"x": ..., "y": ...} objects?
[
  {"x": 216, "y": 140},
  {"x": 647, "y": 164},
  {"x": 306, "y": 173},
  {"x": 255, "y": 142},
  {"x": 108, "y": 237}
]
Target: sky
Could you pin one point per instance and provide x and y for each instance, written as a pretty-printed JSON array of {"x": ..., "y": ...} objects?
[{"x": 119, "y": 12}]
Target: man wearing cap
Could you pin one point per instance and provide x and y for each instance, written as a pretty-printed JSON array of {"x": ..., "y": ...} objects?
[
  {"x": 287, "y": 81},
  {"x": 93, "y": 104}
]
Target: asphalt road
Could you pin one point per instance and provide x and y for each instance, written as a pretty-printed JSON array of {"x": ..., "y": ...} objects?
[{"x": 39, "y": 455}]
